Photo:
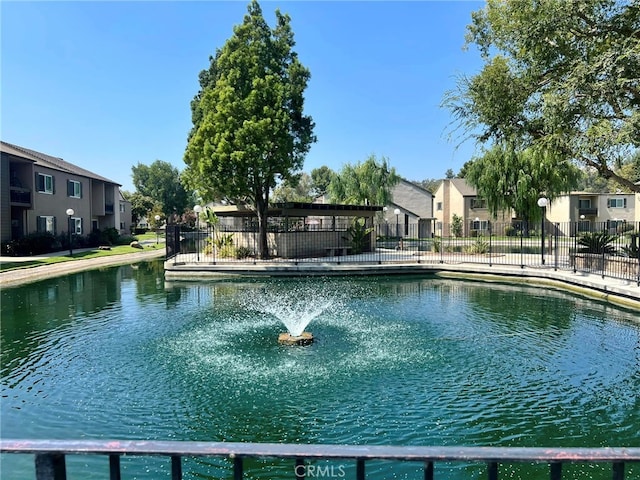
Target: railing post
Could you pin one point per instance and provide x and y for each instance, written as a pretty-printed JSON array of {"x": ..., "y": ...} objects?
[
  {"x": 237, "y": 468},
  {"x": 360, "y": 469},
  {"x": 492, "y": 471},
  {"x": 300, "y": 469},
  {"x": 50, "y": 466},
  {"x": 176, "y": 467},
  {"x": 618, "y": 471},
  {"x": 114, "y": 467},
  {"x": 428, "y": 471}
]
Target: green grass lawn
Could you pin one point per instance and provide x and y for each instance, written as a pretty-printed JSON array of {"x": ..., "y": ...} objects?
[{"x": 117, "y": 250}]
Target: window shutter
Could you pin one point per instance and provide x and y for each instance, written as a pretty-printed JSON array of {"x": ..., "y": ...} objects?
[
  {"x": 69, "y": 188},
  {"x": 624, "y": 202},
  {"x": 39, "y": 182},
  {"x": 80, "y": 184},
  {"x": 40, "y": 224},
  {"x": 53, "y": 184},
  {"x": 608, "y": 203},
  {"x": 55, "y": 225}
]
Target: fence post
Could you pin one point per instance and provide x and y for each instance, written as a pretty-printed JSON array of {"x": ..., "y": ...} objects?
[
  {"x": 557, "y": 246},
  {"x": 521, "y": 245},
  {"x": 489, "y": 227}
]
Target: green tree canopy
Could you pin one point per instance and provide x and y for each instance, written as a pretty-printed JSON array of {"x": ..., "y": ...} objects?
[
  {"x": 561, "y": 75},
  {"x": 321, "y": 178},
  {"x": 297, "y": 188},
  {"x": 508, "y": 179},
  {"x": 367, "y": 183},
  {"x": 249, "y": 127},
  {"x": 141, "y": 206},
  {"x": 160, "y": 181}
]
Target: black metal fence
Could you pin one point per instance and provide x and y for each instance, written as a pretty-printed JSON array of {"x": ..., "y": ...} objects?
[
  {"x": 610, "y": 249},
  {"x": 50, "y": 457}
]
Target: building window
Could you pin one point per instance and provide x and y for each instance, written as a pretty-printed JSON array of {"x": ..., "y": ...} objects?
[
  {"x": 478, "y": 203},
  {"x": 121, "y": 225},
  {"x": 74, "y": 189},
  {"x": 45, "y": 183},
  {"x": 122, "y": 209},
  {"x": 46, "y": 223},
  {"x": 584, "y": 203},
  {"x": 76, "y": 225},
  {"x": 616, "y": 203},
  {"x": 479, "y": 225},
  {"x": 439, "y": 206}
]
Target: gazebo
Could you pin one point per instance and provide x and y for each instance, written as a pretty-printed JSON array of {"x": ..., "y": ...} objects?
[{"x": 298, "y": 229}]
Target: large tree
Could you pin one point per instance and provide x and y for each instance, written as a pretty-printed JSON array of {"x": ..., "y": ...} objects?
[
  {"x": 321, "y": 178},
  {"x": 249, "y": 127},
  {"x": 510, "y": 179},
  {"x": 160, "y": 181},
  {"x": 368, "y": 183},
  {"x": 561, "y": 75}
]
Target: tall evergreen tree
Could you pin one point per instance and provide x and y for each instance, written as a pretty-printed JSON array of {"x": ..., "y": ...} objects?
[{"x": 249, "y": 127}]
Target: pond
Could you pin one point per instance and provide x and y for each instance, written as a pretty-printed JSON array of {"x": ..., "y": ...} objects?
[{"x": 404, "y": 360}]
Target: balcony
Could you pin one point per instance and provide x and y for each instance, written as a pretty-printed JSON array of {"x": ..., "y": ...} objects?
[
  {"x": 20, "y": 197},
  {"x": 588, "y": 212}
]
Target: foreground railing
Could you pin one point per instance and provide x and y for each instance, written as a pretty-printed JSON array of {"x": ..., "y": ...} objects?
[{"x": 50, "y": 456}]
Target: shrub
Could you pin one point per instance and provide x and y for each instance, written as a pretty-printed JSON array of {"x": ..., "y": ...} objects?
[
  {"x": 357, "y": 235},
  {"x": 243, "y": 252},
  {"x": 596, "y": 242},
  {"x": 480, "y": 246},
  {"x": 32, "y": 244}
]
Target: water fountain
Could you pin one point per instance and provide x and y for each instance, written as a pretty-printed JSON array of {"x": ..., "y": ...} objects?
[{"x": 295, "y": 312}]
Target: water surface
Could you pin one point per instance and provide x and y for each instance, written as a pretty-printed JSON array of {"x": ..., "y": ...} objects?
[{"x": 397, "y": 361}]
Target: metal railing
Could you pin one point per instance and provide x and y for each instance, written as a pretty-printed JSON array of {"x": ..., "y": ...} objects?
[
  {"x": 50, "y": 456},
  {"x": 610, "y": 249}
]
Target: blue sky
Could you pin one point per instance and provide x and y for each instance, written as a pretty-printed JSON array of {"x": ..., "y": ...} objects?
[{"x": 107, "y": 85}]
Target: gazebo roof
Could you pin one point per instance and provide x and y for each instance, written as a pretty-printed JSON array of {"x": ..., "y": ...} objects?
[{"x": 299, "y": 209}]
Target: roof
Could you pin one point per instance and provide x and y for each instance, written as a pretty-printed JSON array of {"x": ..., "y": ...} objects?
[
  {"x": 463, "y": 187},
  {"x": 416, "y": 186},
  {"x": 297, "y": 209},
  {"x": 55, "y": 163}
]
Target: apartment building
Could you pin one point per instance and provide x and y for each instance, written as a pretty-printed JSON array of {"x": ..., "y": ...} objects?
[
  {"x": 455, "y": 196},
  {"x": 37, "y": 190},
  {"x": 411, "y": 212}
]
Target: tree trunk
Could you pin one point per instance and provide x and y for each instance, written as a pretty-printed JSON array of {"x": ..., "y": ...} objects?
[{"x": 263, "y": 244}]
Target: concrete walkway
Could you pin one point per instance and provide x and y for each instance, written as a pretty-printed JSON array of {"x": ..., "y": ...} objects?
[{"x": 26, "y": 275}]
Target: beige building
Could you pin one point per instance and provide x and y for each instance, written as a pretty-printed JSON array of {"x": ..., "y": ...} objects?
[
  {"x": 588, "y": 210},
  {"x": 455, "y": 196},
  {"x": 38, "y": 189}
]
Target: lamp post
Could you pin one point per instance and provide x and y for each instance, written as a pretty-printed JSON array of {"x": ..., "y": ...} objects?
[
  {"x": 69, "y": 213},
  {"x": 542, "y": 203},
  {"x": 397, "y": 212},
  {"x": 157, "y": 217},
  {"x": 197, "y": 209},
  {"x": 477, "y": 225}
]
